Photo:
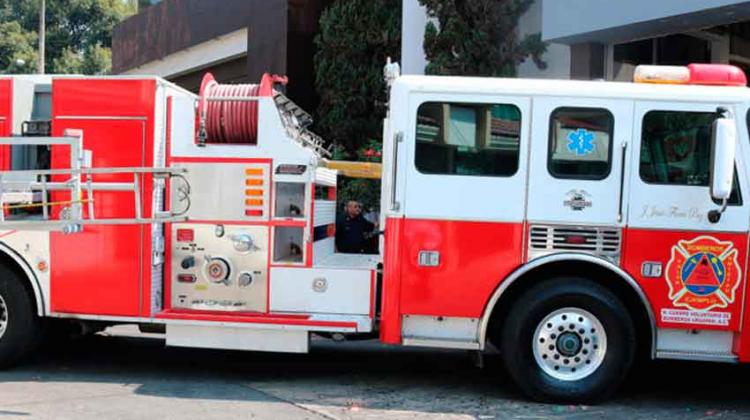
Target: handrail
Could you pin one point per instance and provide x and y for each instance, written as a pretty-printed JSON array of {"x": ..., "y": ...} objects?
[
  {"x": 32, "y": 191},
  {"x": 397, "y": 138}
]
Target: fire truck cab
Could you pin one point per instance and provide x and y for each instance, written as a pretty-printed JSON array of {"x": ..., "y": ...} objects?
[{"x": 573, "y": 225}]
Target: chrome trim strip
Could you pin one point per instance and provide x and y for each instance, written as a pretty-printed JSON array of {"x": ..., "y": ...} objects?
[
  {"x": 564, "y": 256},
  {"x": 138, "y": 320}
]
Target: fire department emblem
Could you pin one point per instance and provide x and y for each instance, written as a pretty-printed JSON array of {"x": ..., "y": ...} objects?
[{"x": 703, "y": 274}]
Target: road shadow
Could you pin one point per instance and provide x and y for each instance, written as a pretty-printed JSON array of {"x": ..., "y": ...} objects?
[{"x": 367, "y": 375}]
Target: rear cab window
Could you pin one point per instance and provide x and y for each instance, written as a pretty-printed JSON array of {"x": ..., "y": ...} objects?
[{"x": 468, "y": 139}]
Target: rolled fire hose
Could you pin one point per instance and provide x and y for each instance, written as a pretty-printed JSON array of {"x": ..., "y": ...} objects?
[{"x": 232, "y": 121}]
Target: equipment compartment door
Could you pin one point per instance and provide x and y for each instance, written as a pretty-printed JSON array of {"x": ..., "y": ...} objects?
[
  {"x": 98, "y": 271},
  {"x": 576, "y": 165}
]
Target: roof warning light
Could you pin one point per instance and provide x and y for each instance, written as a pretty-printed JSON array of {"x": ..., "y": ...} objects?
[{"x": 693, "y": 74}]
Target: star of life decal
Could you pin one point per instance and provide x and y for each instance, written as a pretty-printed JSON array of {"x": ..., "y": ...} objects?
[{"x": 581, "y": 142}]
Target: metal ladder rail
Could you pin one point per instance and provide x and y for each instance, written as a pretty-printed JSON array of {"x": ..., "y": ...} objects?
[
  {"x": 76, "y": 220},
  {"x": 77, "y": 159},
  {"x": 296, "y": 121}
]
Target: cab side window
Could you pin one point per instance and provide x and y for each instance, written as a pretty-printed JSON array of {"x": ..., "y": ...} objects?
[
  {"x": 676, "y": 149},
  {"x": 580, "y": 143},
  {"x": 468, "y": 139}
]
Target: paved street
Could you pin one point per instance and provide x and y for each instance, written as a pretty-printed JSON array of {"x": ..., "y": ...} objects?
[{"x": 123, "y": 375}]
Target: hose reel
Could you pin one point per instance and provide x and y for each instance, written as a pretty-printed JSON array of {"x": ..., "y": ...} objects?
[{"x": 228, "y": 113}]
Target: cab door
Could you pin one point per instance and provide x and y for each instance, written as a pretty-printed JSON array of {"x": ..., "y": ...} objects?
[
  {"x": 465, "y": 170},
  {"x": 691, "y": 269},
  {"x": 576, "y": 166}
]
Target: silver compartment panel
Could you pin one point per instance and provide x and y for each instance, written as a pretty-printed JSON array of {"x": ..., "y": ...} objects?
[{"x": 229, "y": 296}]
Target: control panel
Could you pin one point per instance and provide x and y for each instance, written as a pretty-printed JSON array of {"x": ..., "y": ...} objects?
[{"x": 219, "y": 267}]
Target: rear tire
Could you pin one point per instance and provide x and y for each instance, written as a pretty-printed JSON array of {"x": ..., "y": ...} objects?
[
  {"x": 20, "y": 327},
  {"x": 568, "y": 340}
]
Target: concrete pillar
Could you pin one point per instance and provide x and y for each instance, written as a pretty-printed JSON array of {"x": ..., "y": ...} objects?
[
  {"x": 414, "y": 19},
  {"x": 587, "y": 61}
]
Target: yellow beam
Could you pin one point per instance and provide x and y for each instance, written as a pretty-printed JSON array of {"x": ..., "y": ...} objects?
[{"x": 370, "y": 170}]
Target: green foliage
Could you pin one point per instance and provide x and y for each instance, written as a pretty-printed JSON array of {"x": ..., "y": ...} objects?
[
  {"x": 478, "y": 37},
  {"x": 79, "y": 32},
  {"x": 366, "y": 191},
  {"x": 355, "y": 39},
  {"x": 97, "y": 60},
  {"x": 371, "y": 151},
  {"x": 69, "y": 62},
  {"x": 17, "y": 49}
]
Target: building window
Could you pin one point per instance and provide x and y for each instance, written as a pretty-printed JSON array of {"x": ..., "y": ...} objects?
[
  {"x": 580, "y": 143},
  {"x": 468, "y": 139},
  {"x": 676, "y": 50}
]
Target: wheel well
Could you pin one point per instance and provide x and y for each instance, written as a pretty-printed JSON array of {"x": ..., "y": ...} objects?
[
  {"x": 13, "y": 265},
  {"x": 592, "y": 271}
]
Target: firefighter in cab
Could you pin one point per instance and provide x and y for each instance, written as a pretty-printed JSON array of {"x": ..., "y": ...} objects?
[{"x": 354, "y": 233}]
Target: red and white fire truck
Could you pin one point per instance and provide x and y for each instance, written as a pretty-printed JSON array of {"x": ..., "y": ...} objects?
[{"x": 572, "y": 224}]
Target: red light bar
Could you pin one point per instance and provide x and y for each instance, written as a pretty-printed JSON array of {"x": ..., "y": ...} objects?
[
  {"x": 185, "y": 235},
  {"x": 575, "y": 239},
  {"x": 694, "y": 74},
  {"x": 716, "y": 75},
  {"x": 186, "y": 278}
]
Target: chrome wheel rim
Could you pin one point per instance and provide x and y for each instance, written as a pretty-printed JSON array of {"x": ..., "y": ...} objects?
[
  {"x": 570, "y": 344},
  {"x": 3, "y": 317}
]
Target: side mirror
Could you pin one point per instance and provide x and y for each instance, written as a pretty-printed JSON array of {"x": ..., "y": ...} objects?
[{"x": 723, "y": 150}]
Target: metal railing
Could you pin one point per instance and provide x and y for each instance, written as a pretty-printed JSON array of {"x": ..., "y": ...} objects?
[{"x": 27, "y": 189}]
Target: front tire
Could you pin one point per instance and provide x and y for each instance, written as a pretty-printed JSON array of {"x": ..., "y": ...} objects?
[
  {"x": 568, "y": 340},
  {"x": 20, "y": 327}
]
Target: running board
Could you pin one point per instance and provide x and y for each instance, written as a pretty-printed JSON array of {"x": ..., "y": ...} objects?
[
  {"x": 441, "y": 343},
  {"x": 701, "y": 345},
  {"x": 234, "y": 338},
  {"x": 441, "y": 332}
]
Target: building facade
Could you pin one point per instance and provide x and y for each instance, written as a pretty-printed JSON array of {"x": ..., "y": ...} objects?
[
  {"x": 236, "y": 40},
  {"x": 595, "y": 39},
  {"x": 587, "y": 39}
]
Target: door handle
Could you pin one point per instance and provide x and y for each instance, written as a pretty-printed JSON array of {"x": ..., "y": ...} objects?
[
  {"x": 397, "y": 138},
  {"x": 624, "y": 148}
]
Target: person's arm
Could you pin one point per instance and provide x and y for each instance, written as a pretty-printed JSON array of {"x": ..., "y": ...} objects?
[
  {"x": 368, "y": 226},
  {"x": 338, "y": 239}
]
